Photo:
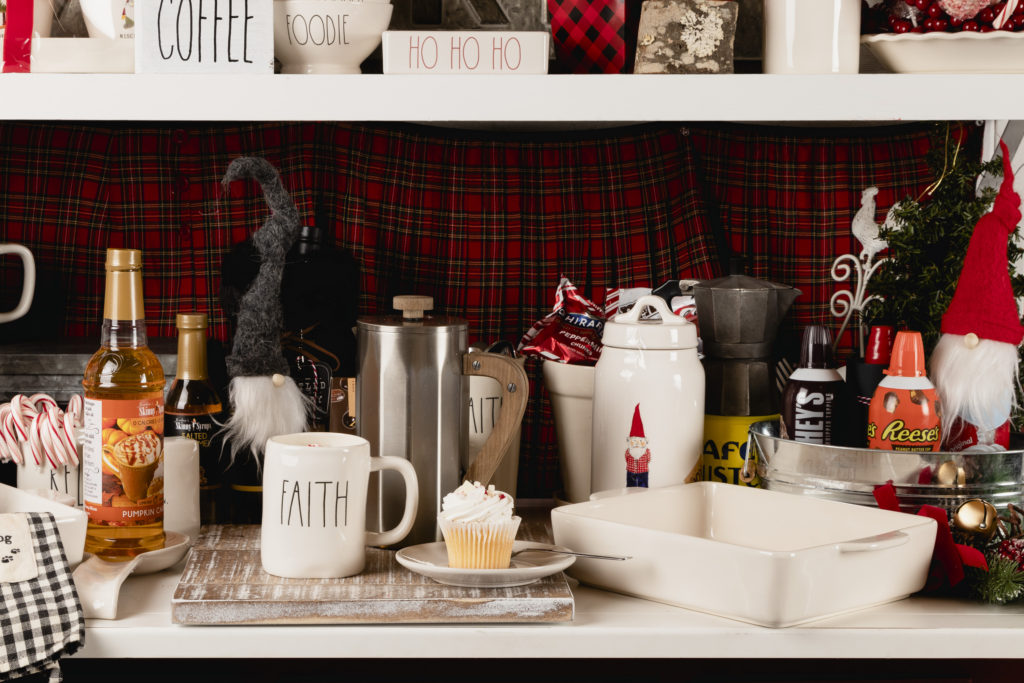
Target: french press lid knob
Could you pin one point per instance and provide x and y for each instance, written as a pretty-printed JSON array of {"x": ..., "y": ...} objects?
[{"x": 413, "y": 306}]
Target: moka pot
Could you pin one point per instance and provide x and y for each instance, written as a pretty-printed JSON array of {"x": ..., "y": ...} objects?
[{"x": 412, "y": 402}]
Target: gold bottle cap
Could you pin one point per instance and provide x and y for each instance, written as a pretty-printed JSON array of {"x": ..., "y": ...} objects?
[
  {"x": 124, "y": 259},
  {"x": 191, "y": 321}
]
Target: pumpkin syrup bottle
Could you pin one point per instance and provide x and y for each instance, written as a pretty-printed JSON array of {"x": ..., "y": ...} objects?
[{"x": 124, "y": 423}]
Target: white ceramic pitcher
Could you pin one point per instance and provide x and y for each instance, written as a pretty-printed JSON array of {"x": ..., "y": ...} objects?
[
  {"x": 28, "y": 284},
  {"x": 648, "y": 425}
]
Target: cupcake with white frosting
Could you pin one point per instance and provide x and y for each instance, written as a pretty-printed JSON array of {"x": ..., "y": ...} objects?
[{"x": 478, "y": 527}]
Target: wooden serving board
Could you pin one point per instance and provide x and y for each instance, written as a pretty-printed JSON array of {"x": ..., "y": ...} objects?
[{"x": 224, "y": 583}]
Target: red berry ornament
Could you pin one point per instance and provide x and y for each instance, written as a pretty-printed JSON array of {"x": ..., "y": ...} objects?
[{"x": 1013, "y": 549}]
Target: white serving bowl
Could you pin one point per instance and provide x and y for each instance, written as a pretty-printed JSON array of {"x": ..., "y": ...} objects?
[
  {"x": 763, "y": 557},
  {"x": 950, "y": 53},
  {"x": 111, "y": 19},
  {"x": 327, "y": 36},
  {"x": 71, "y": 522}
]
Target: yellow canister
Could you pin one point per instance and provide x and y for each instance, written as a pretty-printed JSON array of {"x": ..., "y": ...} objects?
[{"x": 725, "y": 448}]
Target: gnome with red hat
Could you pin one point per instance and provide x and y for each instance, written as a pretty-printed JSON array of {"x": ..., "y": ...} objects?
[
  {"x": 974, "y": 365},
  {"x": 638, "y": 455}
]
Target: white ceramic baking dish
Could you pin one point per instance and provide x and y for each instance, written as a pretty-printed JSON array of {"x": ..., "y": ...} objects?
[
  {"x": 763, "y": 557},
  {"x": 71, "y": 521}
]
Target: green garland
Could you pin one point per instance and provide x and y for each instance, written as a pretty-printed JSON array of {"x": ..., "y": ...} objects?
[{"x": 1001, "y": 584}]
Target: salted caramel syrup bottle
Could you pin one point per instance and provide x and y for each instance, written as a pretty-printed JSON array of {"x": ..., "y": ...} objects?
[
  {"x": 122, "y": 464},
  {"x": 195, "y": 411}
]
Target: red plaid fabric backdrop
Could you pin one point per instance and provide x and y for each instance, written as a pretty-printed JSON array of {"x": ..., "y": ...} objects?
[{"x": 486, "y": 224}]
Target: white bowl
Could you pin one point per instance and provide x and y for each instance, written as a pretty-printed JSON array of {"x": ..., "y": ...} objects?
[
  {"x": 71, "y": 522},
  {"x": 327, "y": 36},
  {"x": 763, "y": 557},
  {"x": 950, "y": 53},
  {"x": 111, "y": 19}
]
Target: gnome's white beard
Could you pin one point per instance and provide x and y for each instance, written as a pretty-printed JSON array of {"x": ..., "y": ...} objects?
[
  {"x": 261, "y": 410},
  {"x": 638, "y": 452},
  {"x": 976, "y": 385}
]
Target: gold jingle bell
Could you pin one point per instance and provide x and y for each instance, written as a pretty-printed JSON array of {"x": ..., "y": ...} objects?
[
  {"x": 950, "y": 474},
  {"x": 977, "y": 517}
]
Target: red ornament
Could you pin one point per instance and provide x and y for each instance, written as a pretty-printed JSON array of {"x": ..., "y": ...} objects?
[{"x": 1013, "y": 549}]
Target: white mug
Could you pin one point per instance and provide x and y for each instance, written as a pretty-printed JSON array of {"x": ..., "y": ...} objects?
[
  {"x": 314, "y": 504},
  {"x": 28, "y": 285},
  {"x": 181, "y": 486}
]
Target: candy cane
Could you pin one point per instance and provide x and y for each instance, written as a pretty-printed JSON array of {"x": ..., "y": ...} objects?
[
  {"x": 69, "y": 435},
  {"x": 1005, "y": 14},
  {"x": 21, "y": 418},
  {"x": 35, "y": 448},
  {"x": 55, "y": 430},
  {"x": 6, "y": 452},
  {"x": 41, "y": 402},
  {"x": 8, "y": 435},
  {"x": 52, "y": 447},
  {"x": 37, "y": 439},
  {"x": 75, "y": 408}
]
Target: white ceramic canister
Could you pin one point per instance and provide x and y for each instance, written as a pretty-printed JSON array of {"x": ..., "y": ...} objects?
[
  {"x": 812, "y": 36},
  {"x": 648, "y": 420}
]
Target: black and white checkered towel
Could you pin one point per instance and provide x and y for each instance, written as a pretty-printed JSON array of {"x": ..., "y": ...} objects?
[{"x": 41, "y": 619}]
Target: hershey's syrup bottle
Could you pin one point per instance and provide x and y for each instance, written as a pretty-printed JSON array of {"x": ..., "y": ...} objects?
[
  {"x": 195, "y": 411},
  {"x": 122, "y": 467},
  {"x": 812, "y": 391}
]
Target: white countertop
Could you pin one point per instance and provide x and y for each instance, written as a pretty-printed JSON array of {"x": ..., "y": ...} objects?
[{"x": 606, "y": 625}]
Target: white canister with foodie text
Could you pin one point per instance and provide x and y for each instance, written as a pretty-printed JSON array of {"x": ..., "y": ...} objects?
[{"x": 648, "y": 424}]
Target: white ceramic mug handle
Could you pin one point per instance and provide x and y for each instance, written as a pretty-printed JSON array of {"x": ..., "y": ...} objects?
[
  {"x": 412, "y": 500},
  {"x": 27, "y": 287},
  {"x": 658, "y": 304}
]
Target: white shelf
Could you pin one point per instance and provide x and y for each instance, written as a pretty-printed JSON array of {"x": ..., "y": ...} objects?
[
  {"x": 510, "y": 99},
  {"x": 605, "y": 625}
]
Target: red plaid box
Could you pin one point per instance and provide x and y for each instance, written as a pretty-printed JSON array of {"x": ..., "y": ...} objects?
[{"x": 594, "y": 36}]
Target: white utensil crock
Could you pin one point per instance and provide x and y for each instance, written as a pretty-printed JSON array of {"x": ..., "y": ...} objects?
[
  {"x": 571, "y": 389},
  {"x": 811, "y": 36},
  {"x": 648, "y": 421}
]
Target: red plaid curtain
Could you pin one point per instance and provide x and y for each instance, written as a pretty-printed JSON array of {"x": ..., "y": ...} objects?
[{"x": 485, "y": 223}]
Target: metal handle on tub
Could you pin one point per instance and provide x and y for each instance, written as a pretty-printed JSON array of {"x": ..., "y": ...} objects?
[{"x": 891, "y": 539}]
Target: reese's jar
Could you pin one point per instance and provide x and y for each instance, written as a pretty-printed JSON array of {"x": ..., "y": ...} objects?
[{"x": 905, "y": 414}]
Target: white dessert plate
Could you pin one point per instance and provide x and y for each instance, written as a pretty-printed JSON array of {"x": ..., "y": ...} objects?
[
  {"x": 99, "y": 581},
  {"x": 949, "y": 53},
  {"x": 431, "y": 560}
]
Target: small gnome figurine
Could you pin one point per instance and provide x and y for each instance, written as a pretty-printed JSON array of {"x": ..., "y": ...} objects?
[
  {"x": 974, "y": 365},
  {"x": 265, "y": 400},
  {"x": 638, "y": 454}
]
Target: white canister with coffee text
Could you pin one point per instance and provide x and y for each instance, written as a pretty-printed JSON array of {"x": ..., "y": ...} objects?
[{"x": 648, "y": 425}]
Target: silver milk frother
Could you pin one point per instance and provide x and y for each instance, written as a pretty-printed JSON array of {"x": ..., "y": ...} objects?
[{"x": 412, "y": 401}]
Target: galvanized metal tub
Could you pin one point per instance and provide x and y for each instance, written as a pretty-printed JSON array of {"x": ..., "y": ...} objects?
[{"x": 851, "y": 474}]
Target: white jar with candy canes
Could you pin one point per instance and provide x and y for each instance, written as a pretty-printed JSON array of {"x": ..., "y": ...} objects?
[{"x": 42, "y": 440}]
